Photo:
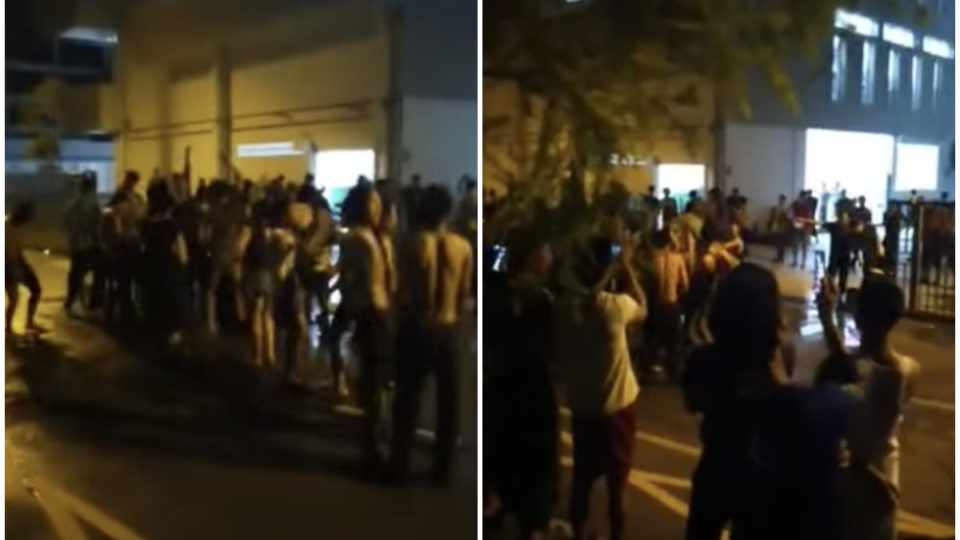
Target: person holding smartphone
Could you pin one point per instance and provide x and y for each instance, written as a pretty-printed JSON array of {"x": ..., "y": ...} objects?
[
  {"x": 601, "y": 386},
  {"x": 880, "y": 383}
]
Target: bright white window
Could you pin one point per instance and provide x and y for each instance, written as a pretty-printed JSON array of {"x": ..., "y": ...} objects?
[
  {"x": 838, "y": 86},
  {"x": 858, "y": 161},
  {"x": 899, "y": 35},
  {"x": 893, "y": 76},
  {"x": 856, "y": 23},
  {"x": 274, "y": 149},
  {"x": 937, "y": 47},
  {"x": 937, "y": 89},
  {"x": 681, "y": 178},
  {"x": 917, "y": 166},
  {"x": 342, "y": 168},
  {"x": 869, "y": 76},
  {"x": 916, "y": 96}
]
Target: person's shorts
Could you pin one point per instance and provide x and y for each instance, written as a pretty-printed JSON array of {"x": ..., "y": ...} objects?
[
  {"x": 259, "y": 283},
  {"x": 603, "y": 445}
]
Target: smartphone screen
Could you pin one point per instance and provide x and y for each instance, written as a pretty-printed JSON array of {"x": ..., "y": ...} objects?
[{"x": 615, "y": 250}]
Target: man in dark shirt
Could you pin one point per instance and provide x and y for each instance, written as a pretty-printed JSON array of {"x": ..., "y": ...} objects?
[
  {"x": 669, "y": 206},
  {"x": 844, "y": 205},
  {"x": 842, "y": 245}
]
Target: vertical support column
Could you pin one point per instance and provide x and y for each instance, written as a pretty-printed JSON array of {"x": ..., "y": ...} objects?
[
  {"x": 393, "y": 104},
  {"x": 165, "y": 144},
  {"x": 223, "y": 128},
  {"x": 719, "y": 131}
]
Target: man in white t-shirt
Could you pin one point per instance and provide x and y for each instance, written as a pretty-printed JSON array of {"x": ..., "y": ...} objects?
[{"x": 601, "y": 386}]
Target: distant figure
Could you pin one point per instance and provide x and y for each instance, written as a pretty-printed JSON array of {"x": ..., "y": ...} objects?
[
  {"x": 82, "y": 225},
  {"x": 19, "y": 271},
  {"x": 669, "y": 206},
  {"x": 780, "y": 227},
  {"x": 803, "y": 211},
  {"x": 673, "y": 282},
  {"x": 861, "y": 215},
  {"x": 843, "y": 206},
  {"x": 437, "y": 278}
]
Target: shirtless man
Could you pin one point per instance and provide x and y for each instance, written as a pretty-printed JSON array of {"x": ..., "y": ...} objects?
[{"x": 436, "y": 290}]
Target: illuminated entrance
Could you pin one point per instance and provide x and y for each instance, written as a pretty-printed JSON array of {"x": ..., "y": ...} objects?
[
  {"x": 859, "y": 162},
  {"x": 338, "y": 171}
]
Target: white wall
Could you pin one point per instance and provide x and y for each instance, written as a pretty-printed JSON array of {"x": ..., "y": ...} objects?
[
  {"x": 439, "y": 139},
  {"x": 285, "y": 78},
  {"x": 764, "y": 161}
]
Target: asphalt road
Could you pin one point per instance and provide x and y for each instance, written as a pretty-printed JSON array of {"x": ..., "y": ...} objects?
[
  {"x": 102, "y": 442},
  {"x": 667, "y": 445}
]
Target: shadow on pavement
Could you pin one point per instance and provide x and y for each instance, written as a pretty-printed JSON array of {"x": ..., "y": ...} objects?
[{"x": 144, "y": 407}]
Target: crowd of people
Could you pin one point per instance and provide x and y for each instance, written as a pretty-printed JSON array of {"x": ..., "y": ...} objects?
[
  {"x": 782, "y": 457},
  {"x": 260, "y": 262}
]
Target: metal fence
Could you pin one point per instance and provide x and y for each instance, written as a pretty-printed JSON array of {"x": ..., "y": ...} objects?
[{"x": 921, "y": 256}]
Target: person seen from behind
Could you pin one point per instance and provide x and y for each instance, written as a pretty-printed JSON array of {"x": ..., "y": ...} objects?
[
  {"x": 673, "y": 282},
  {"x": 601, "y": 386},
  {"x": 880, "y": 382},
  {"x": 19, "y": 271},
  {"x": 437, "y": 286},
  {"x": 82, "y": 225},
  {"x": 366, "y": 275},
  {"x": 520, "y": 408},
  {"x": 769, "y": 466}
]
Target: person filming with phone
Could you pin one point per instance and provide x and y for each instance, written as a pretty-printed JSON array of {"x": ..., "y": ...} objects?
[{"x": 600, "y": 383}]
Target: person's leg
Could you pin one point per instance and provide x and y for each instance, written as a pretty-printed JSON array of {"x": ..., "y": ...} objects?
[
  {"x": 366, "y": 338},
  {"x": 32, "y": 282},
  {"x": 673, "y": 323},
  {"x": 74, "y": 278},
  {"x": 580, "y": 502},
  {"x": 844, "y": 271},
  {"x": 584, "y": 473},
  {"x": 97, "y": 262},
  {"x": 257, "y": 329},
  {"x": 448, "y": 404},
  {"x": 13, "y": 298},
  {"x": 616, "y": 511},
  {"x": 411, "y": 375},
  {"x": 708, "y": 514}
]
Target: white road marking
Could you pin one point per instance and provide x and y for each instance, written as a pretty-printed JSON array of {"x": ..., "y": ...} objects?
[
  {"x": 933, "y": 404},
  {"x": 64, "y": 509},
  {"x": 663, "y": 442},
  {"x": 650, "y": 483}
]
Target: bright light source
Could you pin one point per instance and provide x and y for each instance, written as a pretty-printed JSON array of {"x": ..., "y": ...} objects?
[
  {"x": 46, "y": 252},
  {"x": 342, "y": 168},
  {"x": 898, "y": 35},
  {"x": 103, "y": 36},
  {"x": 856, "y": 23},
  {"x": 937, "y": 47},
  {"x": 918, "y": 166},
  {"x": 681, "y": 178},
  {"x": 276, "y": 149}
]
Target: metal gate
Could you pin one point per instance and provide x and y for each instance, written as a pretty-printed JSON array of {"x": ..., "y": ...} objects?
[{"x": 919, "y": 247}]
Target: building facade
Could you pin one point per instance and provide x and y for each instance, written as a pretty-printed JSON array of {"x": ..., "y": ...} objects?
[
  {"x": 338, "y": 88},
  {"x": 877, "y": 116}
]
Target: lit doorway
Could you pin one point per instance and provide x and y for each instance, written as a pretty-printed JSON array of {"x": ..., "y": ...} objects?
[
  {"x": 338, "y": 171},
  {"x": 681, "y": 179},
  {"x": 859, "y": 162}
]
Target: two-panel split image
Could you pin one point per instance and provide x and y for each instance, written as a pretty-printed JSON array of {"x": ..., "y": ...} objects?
[{"x": 499, "y": 269}]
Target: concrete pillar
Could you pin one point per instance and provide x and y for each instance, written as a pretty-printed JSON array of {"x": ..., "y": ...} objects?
[
  {"x": 222, "y": 131},
  {"x": 393, "y": 103},
  {"x": 164, "y": 119}
]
